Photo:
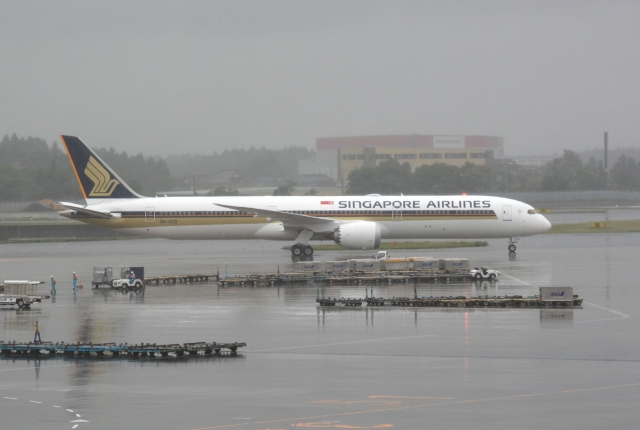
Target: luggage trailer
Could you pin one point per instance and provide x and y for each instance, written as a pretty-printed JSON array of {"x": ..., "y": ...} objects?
[{"x": 21, "y": 293}]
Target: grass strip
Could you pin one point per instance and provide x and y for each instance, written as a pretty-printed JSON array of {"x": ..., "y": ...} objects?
[
  {"x": 408, "y": 245},
  {"x": 69, "y": 239},
  {"x": 619, "y": 226}
]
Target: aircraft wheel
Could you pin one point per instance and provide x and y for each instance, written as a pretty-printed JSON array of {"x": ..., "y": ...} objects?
[
  {"x": 512, "y": 248},
  {"x": 296, "y": 250},
  {"x": 308, "y": 250}
]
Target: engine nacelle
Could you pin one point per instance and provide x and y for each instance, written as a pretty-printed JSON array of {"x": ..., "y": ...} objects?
[{"x": 358, "y": 235}]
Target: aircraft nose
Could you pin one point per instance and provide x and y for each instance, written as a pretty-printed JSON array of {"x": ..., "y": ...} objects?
[{"x": 546, "y": 225}]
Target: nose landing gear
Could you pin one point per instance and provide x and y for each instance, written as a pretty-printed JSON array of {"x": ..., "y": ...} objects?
[{"x": 512, "y": 244}]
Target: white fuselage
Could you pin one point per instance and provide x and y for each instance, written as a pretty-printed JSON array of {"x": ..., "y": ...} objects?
[{"x": 399, "y": 217}]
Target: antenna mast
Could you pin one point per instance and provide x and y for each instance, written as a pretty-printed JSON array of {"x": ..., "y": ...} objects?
[{"x": 606, "y": 154}]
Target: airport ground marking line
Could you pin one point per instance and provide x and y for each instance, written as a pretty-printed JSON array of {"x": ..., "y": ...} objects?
[
  {"x": 341, "y": 343},
  {"x": 410, "y": 397},
  {"x": 458, "y": 402},
  {"x": 602, "y": 319},
  {"x": 56, "y": 406},
  {"x": 517, "y": 280},
  {"x": 51, "y": 367},
  {"x": 478, "y": 357},
  {"x": 622, "y": 315},
  {"x": 303, "y": 418}
]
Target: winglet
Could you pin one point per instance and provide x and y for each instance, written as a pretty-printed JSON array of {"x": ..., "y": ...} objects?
[{"x": 96, "y": 179}]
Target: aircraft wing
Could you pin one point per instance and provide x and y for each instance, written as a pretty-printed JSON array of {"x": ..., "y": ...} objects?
[
  {"x": 312, "y": 223},
  {"x": 83, "y": 210}
]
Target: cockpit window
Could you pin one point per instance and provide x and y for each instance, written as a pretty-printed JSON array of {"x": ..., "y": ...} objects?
[{"x": 531, "y": 212}]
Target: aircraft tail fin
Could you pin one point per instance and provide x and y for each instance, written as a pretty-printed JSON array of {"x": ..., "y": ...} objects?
[{"x": 96, "y": 179}]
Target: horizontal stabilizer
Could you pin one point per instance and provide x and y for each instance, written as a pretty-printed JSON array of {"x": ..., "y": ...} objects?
[{"x": 83, "y": 210}]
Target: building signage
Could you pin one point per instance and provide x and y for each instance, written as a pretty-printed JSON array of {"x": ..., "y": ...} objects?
[{"x": 448, "y": 142}]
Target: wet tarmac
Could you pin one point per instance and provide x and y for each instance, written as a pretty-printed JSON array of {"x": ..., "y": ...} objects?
[{"x": 306, "y": 367}]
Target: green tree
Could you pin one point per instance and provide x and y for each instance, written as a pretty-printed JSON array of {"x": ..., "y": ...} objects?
[
  {"x": 592, "y": 176},
  {"x": 284, "y": 190},
  {"x": 224, "y": 191},
  {"x": 438, "y": 178},
  {"x": 561, "y": 174},
  {"x": 390, "y": 177},
  {"x": 475, "y": 179},
  {"x": 311, "y": 192},
  {"x": 625, "y": 174}
]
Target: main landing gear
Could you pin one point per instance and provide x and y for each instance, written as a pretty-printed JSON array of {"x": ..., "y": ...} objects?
[
  {"x": 299, "y": 250},
  {"x": 512, "y": 244}
]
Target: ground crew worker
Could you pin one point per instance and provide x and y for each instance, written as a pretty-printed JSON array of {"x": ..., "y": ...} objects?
[
  {"x": 75, "y": 281},
  {"x": 36, "y": 337},
  {"x": 132, "y": 277},
  {"x": 53, "y": 285}
]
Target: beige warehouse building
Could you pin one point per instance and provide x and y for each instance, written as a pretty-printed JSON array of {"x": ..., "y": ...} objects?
[
  {"x": 339, "y": 156},
  {"x": 350, "y": 159}
]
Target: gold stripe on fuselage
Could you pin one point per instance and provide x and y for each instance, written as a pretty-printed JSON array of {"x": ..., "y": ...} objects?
[{"x": 139, "y": 221}]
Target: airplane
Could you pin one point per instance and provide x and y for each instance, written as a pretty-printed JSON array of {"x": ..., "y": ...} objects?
[{"x": 353, "y": 222}]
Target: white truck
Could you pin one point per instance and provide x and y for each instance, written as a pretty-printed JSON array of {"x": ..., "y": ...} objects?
[
  {"x": 21, "y": 293},
  {"x": 483, "y": 273},
  {"x": 381, "y": 255}
]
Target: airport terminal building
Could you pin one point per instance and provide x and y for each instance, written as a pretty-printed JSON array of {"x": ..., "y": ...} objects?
[{"x": 338, "y": 156}]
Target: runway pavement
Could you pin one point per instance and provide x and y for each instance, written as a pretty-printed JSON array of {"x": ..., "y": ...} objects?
[{"x": 306, "y": 367}]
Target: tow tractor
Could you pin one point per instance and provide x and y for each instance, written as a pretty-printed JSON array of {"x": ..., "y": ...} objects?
[
  {"x": 125, "y": 281},
  {"x": 483, "y": 273},
  {"x": 21, "y": 293}
]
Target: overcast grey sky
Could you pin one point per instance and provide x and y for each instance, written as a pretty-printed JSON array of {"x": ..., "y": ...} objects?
[{"x": 174, "y": 77}]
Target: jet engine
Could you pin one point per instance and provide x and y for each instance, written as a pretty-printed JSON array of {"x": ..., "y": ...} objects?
[{"x": 358, "y": 235}]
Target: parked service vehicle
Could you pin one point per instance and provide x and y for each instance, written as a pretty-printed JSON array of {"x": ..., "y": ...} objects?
[
  {"x": 21, "y": 293},
  {"x": 126, "y": 282},
  {"x": 483, "y": 273},
  {"x": 381, "y": 255}
]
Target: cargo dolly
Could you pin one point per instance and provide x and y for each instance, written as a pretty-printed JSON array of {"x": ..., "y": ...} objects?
[
  {"x": 112, "y": 350},
  {"x": 560, "y": 298}
]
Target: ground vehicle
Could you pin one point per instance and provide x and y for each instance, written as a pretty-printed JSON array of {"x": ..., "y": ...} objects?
[
  {"x": 381, "y": 255},
  {"x": 483, "y": 273},
  {"x": 21, "y": 293},
  {"x": 126, "y": 281}
]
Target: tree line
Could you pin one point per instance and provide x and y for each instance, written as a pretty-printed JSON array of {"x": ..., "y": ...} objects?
[
  {"x": 30, "y": 169},
  {"x": 565, "y": 173},
  {"x": 250, "y": 164}
]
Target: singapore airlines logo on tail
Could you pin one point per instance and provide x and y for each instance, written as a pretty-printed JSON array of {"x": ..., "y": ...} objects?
[{"x": 103, "y": 185}]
